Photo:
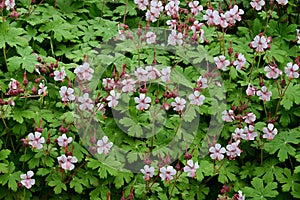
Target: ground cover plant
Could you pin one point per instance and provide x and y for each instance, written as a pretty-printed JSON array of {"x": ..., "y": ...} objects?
[{"x": 149, "y": 99}]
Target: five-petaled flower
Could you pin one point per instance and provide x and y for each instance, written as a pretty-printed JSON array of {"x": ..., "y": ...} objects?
[
  {"x": 292, "y": 71},
  {"x": 86, "y": 102},
  {"x": 221, "y": 62},
  {"x": 272, "y": 71},
  {"x": 66, "y": 94},
  {"x": 175, "y": 38},
  {"x": 148, "y": 172},
  {"x": 249, "y": 118},
  {"x": 233, "y": 150},
  {"x": 179, "y": 104},
  {"x": 249, "y": 133},
  {"x": 42, "y": 89},
  {"x": 196, "y": 98},
  {"x": 84, "y": 72},
  {"x": 166, "y": 73},
  {"x": 191, "y": 168},
  {"x": 270, "y": 132},
  {"x": 260, "y": 43},
  {"x": 282, "y": 2},
  {"x": 63, "y": 140},
  {"x": 66, "y": 162},
  {"x": 27, "y": 180},
  {"x": 35, "y": 140},
  {"x": 263, "y": 94},
  {"x": 59, "y": 75},
  {"x": 257, "y": 4},
  {"x": 228, "y": 116},
  {"x": 142, "y": 101},
  {"x": 103, "y": 146},
  {"x": 167, "y": 173},
  {"x": 217, "y": 152},
  {"x": 113, "y": 99}
]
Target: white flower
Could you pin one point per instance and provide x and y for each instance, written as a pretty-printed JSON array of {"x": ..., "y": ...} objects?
[
  {"x": 10, "y": 4},
  {"x": 167, "y": 173},
  {"x": 142, "y": 4},
  {"x": 196, "y": 98},
  {"x": 175, "y": 38},
  {"x": 148, "y": 172},
  {"x": 35, "y": 140},
  {"x": 42, "y": 89},
  {"x": 13, "y": 84},
  {"x": 201, "y": 83},
  {"x": 240, "y": 195},
  {"x": 66, "y": 94},
  {"x": 179, "y": 104},
  {"x": 141, "y": 74},
  {"x": 251, "y": 91},
  {"x": 166, "y": 73},
  {"x": 249, "y": 133},
  {"x": 63, "y": 141},
  {"x": 108, "y": 83},
  {"x": 272, "y": 72},
  {"x": 142, "y": 101},
  {"x": 128, "y": 85},
  {"x": 195, "y": 7},
  {"x": 238, "y": 133},
  {"x": 249, "y": 118},
  {"x": 259, "y": 43},
  {"x": 221, "y": 62},
  {"x": 67, "y": 162},
  {"x": 153, "y": 73},
  {"x": 240, "y": 62},
  {"x": 59, "y": 75},
  {"x": 86, "y": 102},
  {"x": 27, "y": 180},
  {"x": 113, "y": 99},
  {"x": 216, "y": 152},
  {"x": 84, "y": 72},
  {"x": 150, "y": 38},
  {"x": 257, "y": 4},
  {"x": 191, "y": 168},
  {"x": 233, "y": 149},
  {"x": 269, "y": 132},
  {"x": 103, "y": 146},
  {"x": 263, "y": 94},
  {"x": 282, "y": 2},
  {"x": 228, "y": 116},
  {"x": 292, "y": 71}
]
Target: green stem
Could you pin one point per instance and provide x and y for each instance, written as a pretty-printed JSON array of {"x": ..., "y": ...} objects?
[
  {"x": 5, "y": 58},
  {"x": 280, "y": 98},
  {"x": 173, "y": 186}
]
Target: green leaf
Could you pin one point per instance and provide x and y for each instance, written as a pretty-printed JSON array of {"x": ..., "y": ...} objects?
[
  {"x": 76, "y": 184},
  {"x": 282, "y": 143},
  {"x": 258, "y": 191},
  {"x": 290, "y": 182},
  {"x": 58, "y": 186},
  {"x": 4, "y": 154},
  {"x": 11, "y": 35}
]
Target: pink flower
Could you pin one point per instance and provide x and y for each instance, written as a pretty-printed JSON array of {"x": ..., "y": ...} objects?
[
  {"x": 196, "y": 98},
  {"x": 150, "y": 38},
  {"x": 172, "y": 8},
  {"x": 223, "y": 21},
  {"x": 128, "y": 85},
  {"x": 103, "y": 146},
  {"x": 142, "y": 4},
  {"x": 67, "y": 162},
  {"x": 175, "y": 38},
  {"x": 237, "y": 135},
  {"x": 9, "y": 4},
  {"x": 209, "y": 17},
  {"x": 216, "y": 152},
  {"x": 240, "y": 62},
  {"x": 86, "y": 102},
  {"x": 167, "y": 173},
  {"x": 27, "y": 180},
  {"x": 35, "y": 140},
  {"x": 153, "y": 73},
  {"x": 263, "y": 94},
  {"x": 59, "y": 75},
  {"x": 191, "y": 168},
  {"x": 251, "y": 91},
  {"x": 257, "y": 4},
  {"x": 249, "y": 118},
  {"x": 298, "y": 36},
  {"x": 143, "y": 102},
  {"x": 240, "y": 195},
  {"x": 201, "y": 83},
  {"x": 196, "y": 27},
  {"x": 108, "y": 83},
  {"x": 113, "y": 99},
  {"x": 228, "y": 116},
  {"x": 172, "y": 23},
  {"x": 84, "y": 72},
  {"x": 42, "y": 89},
  {"x": 148, "y": 172},
  {"x": 249, "y": 133},
  {"x": 166, "y": 73},
  {"x": 292, "y": 71},
  {"x": 259, "y": 43},
  {"x": 195, "y": 7},
  {"x": 233, "y": 150},
  {"x": 233, "y": 15},
  {"x": 282, "y": 2},
  {"x": 269, "y": 132},
  {"x": 221, "y": 62},
  {"x": 272, "y": 72},
  {"x": 66, "y": 94},
  {"x": 13, "y": 84},
  {"x": 141, "y": 74},
  {"x": 179, "y": 104},
  {"x": 63, "y": 141}
]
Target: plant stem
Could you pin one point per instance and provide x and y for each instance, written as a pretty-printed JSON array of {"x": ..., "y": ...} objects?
[
  {"x": 280, "y": 98},
  {"x": 5, "y": 58},
  {"x": 173, "y": 186}
]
